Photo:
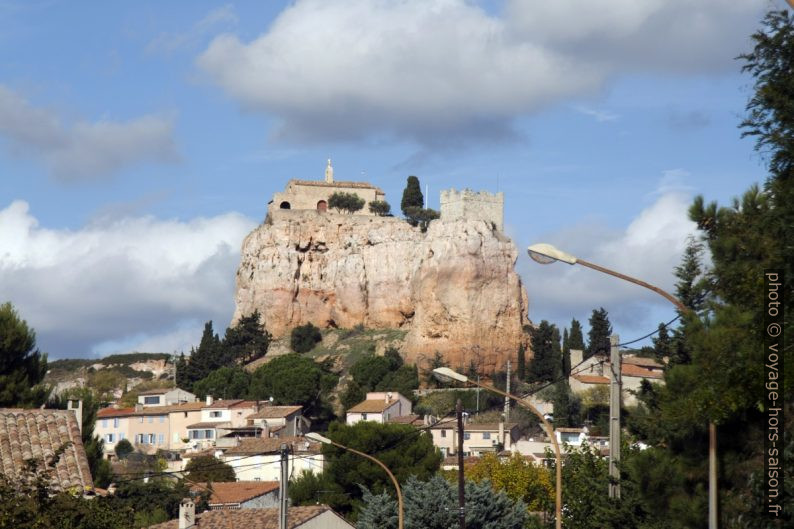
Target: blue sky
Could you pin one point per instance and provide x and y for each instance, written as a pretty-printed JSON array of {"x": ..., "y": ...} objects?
[{"x": 140, "y": 142}]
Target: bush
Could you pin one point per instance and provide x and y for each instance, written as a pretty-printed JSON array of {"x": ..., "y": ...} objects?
[
  {"x": 380, "y": 208},
  {"x": 209, "y": 468},
  {"x": 123, "y": 449},
  {"x": 348, "y": 202},
  {"x": 304, "y": 338},
  {"x": 417, "y": 216}
]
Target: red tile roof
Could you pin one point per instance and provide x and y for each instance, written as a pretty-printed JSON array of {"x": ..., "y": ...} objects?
[
  {"x": 591, "y": 379},
  {"x": 274, "y": 412},
  {"x": 235, "y": 492},
  {"x": 104, "y": 413},
  {"x": 372, "y": 406},
  {"x": 629, "y": 370},
  {"x": 253, "y": 518},
  {"x": 642, "y": 361},
  {"x": 271, "y": 445},
  {"x": 38, "y": 434}
]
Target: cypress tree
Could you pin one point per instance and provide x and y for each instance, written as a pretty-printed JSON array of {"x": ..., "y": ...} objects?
[
  {"x": 566, "y": 354},
  {"x": 598, "y": 337},
  {"x": 521, "y": 372},
  {"x": 546, "y": 361},
  {"x": 22, "y": 366},
  {"x": 575, "y": 337},
  {"x": 412, "y": 196}
]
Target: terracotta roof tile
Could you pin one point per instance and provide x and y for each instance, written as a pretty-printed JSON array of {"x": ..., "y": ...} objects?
[
  {"x": 629, "y": 370},
  {"x": 234, "y": 492},
  {"x": 271, "y": 445},
  {"x": 216, "y": 424},
  {"x": 251, "y": 518},
  {"x": 642, "y": 361},
  {"x": 104, "y": 413},
  {"x": 323, "y": 183},
  {"x": 372, "y": 406},
  {"x": 592, "y": 379},
  {"x": 38, "y": 434},
  {"x": 274, "y": 412}
]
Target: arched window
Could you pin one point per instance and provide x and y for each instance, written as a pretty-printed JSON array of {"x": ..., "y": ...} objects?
[
  {"x": 284, "y": 205},
  {"x": 322, "y": 206}
]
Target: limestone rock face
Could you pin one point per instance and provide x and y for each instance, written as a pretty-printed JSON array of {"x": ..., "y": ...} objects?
[{"x": 453, "y": 289}]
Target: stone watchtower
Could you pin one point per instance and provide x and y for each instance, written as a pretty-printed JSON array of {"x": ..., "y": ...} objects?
[{"x": 473, "y": 205}]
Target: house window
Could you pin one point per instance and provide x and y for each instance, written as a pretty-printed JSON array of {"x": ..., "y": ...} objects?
[
  {"x": 363, "y": 416},
  {"x": 109, "y": 438},
  {"x": 466, "y": 436},
  {"x": 161, "y": 439},
  {"x": 116, "y": 422},
  {"x": 162, "y": 419},
  {"x": 151, "y": 438},
  {"x": 486, "y": 435},
  {"x": 104, "y": 423},
  {"x": 443, "y": 433},
  {"x": 209, "y": 434},
  {"x": 140, "y": 420},
  {"x": 215, "y": 414},
  {"x": 151, "y": 400},
  {"x": 122, "y": 435},
  {"x": 151, "y": 419}
]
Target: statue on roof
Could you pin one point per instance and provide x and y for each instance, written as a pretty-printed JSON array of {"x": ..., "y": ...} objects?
[{"x": 329, "y": 173}]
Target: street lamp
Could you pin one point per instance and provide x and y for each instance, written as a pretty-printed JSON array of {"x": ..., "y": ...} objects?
[
  {"x": 546, "y": 253},
  {"x": 324, "y": 440},
  {"x": 447, "y": 374}
]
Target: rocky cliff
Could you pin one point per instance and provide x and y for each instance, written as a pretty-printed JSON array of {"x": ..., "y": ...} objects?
[{"x": 453, "y": 288}]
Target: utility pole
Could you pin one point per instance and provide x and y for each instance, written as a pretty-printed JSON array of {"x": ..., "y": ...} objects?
[
  {"x": 507, "y": 390},
  {"x": 282, "y": 490},
  {"x": 461, "y": 481},
  {"x": 614, "y": 416}
]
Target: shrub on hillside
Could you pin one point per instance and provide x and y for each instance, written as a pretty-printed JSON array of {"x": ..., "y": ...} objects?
[
  {"x": 347, "y": 202},
  {"x": 380, "y": 208},
  {"x": 304, "y": 338}
]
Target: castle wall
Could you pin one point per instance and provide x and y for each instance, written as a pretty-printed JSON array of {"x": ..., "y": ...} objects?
[
  {"x": 306, "y": 196},
  {"x": 473, "y": 205}
]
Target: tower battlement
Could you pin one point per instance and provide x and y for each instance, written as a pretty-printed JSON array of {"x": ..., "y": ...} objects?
[{"x": 473, "y": 205}]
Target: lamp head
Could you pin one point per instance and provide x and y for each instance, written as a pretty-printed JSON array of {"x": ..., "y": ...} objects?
[
  {"x": 546, "y": 253},
  {"x": 445, "y": 374},
  {"x": 314, "y": 436}
]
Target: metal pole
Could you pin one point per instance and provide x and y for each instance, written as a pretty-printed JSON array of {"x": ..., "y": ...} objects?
[
  {"x": 712, "y": 476},
  {"x": 507, "y": 390},
  {"x": 461, "y": 481},
  {"x": 282, "y": 491},
  {"x": 614, "y": 416}
]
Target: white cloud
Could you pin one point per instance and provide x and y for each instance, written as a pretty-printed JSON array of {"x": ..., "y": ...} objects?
[
  {"x": 82, "y": 150},
  {"x": 135, "y": 281},
  {"x": 441, "y": 71},
  {"x": 599, "y": 115},
  {"x": 649, "y": 248}
]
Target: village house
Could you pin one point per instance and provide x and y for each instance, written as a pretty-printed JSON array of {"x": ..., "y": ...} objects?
[
  {"x": 165, "y": 397},
  {"x": 258, "y": 459},
  {"x": 218, "y": 419},
  {"x": 314, "y": 194},
  {"x": 303, "y": 517},
  {"x": 279, "y": 421},
  {"x": 380, "y": 407},
  {"x": 594, "y": 372},
  {"x": 478, "y": 439}
]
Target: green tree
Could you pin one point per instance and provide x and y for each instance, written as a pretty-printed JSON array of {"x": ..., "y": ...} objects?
[
  {"x": 123, "y": 448},
  {"x": 22, "y": 366},
  {"x": 304, "y": 337},
  {"x": 567, "y": 406},
  {"x": 352, "y": 395},
  {"x": 575, "y": 337},
  {"x": 204, "y": 359},
  {"x": 432, "y": 504},
  {"x": 521, "y": 371},
  {"x": 247, "y": 340},
  {"x": 662, "y": 344},
  {"x": 294, "y": 380},
  {"x": 404, "y": 450},
  {"x": 209, "y": 468},
  {"x": 517, "y": 477},
  {"x": 546, "y": 363},
  {"x": 412, "y": 195},
  {"x": 380, "y": 208},
  {"x": 225, "y": 382},
  {"x": 421, "y": 217},
  {"x": 347, "y": 202},
  {"x": 154, "y": 501},
  {"x": 598, "y": 336}
]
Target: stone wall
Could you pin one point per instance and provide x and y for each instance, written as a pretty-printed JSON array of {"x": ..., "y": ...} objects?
[
  {"x": 473, "y": 205},
  {"x": 307, "y": 194}
]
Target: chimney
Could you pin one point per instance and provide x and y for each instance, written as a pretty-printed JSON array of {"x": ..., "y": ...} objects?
[
  {"x": 209, "y": 400},
  {"x": 187, "y": 514},
  {"x": 388, "y": 397},
  {"x": 576, "y": 357},
  {"x": 77, "y": 407},
  {"x": 265, "y": 431},
  {"x": 502, "y": 434}
]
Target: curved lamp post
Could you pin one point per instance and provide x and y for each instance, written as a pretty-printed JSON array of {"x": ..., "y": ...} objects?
[
  {"x": 546, "y": 253},
  {"x": 447, "y": 374},
  {"x": 324, "y": 440}
]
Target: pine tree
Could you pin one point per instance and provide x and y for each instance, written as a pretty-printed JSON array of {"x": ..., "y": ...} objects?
[
  {"x": 566, "y": 354},
  {"x": 598, "y": 336},
  {"x": 412, "y": 195},
  {"x": 662, "y": 344},
  {"x": 575, "y": 337},
  {"x": 22, "y": 366},
  {"x": 521, "y": 372},
  {"x": 546, "y": 362}
]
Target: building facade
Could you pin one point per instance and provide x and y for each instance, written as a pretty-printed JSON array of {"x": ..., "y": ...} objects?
[
  {"x": 473, "y": 205},
  {"x": 380, "y": 407}
]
